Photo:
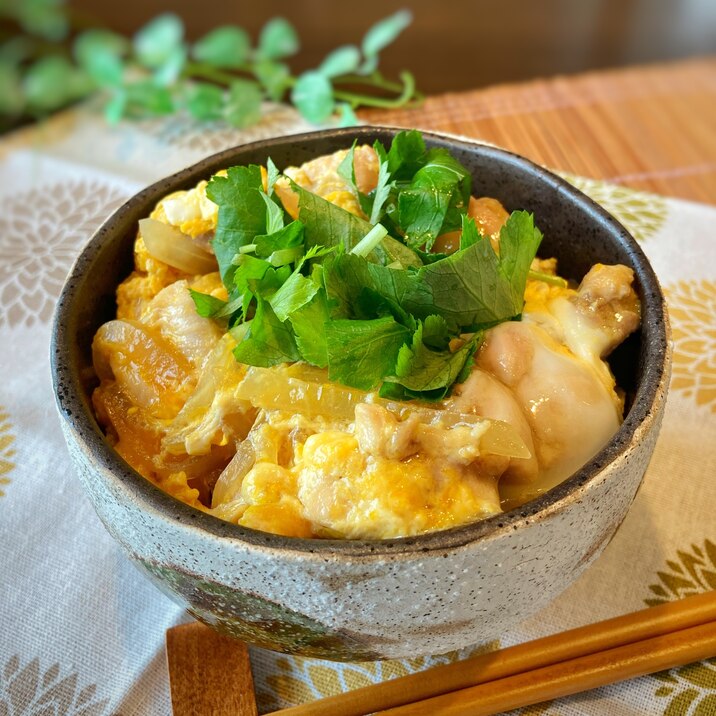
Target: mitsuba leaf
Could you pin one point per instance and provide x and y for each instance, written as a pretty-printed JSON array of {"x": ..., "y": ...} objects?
[
  {"x": 361, "y": 353},
  {"x": 293, "y": 295},
  {"x": 206, "y": 305},
  {"x": 434, "y": 200},
  {"x": 274, "y": 215},
  {"x": 268, "y": 341},
  {"x": 225, "y": 47},
  {"x": 474, "y": 288},
  {"x": 427, "y": 373},
  {"x": 470, "y": 234},
  {"x": 205, "y": 101},
  {"x": 341, "y": 61},
  {"x": 406, "y": 154},
  {"x": 288, "y": 237},
  {"x": 158, "y": 39},
  {"x": 382, "y": 191},
  {"x": 243, "y": 103},
  {"x": 380, "y": 36},
  {"x": 278, "y": 39},
  {"x": 308, "y": 326},
  {"x": 328, "y": 225},
  {"x": 242, "y": 215},
  {"x": 470, "y": 289},
  {"x": 313, "y": 96},
  {"x": 273, "y": 76}
]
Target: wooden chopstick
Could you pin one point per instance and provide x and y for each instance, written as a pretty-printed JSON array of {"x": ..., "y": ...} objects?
[
  {"x": 638, "y": 628},
  {"x": 570, "y": 677}
]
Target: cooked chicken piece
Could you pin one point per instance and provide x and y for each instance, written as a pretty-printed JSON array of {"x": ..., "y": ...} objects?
[
  {"x": 569, "y": 410},
  {"x": 172, "y": 312},
  {"x": 484, "y": 395}
]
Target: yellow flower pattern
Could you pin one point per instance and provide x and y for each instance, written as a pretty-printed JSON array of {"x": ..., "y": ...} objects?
[
  {"x": 690, "y": 689},
  {"x": 6, "y": 450},
  {"x": 641, "y": 214},
  {"x": 298, "y": 680},
  {"x": 692, "y": 307}
]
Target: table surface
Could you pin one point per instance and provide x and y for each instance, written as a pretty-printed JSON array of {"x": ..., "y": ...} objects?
[
  {"x": 92, "y": 631},
  {"x": 651, "y": 128}
]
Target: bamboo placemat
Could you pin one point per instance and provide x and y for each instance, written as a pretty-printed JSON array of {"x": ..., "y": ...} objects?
[{"x": 651, "y": 128}]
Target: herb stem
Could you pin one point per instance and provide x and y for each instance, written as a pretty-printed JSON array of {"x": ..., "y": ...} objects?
[
  {"x": 405, "y": 96},
  {"x": 355, "y": 99},
  {"x": 207, "y": 72},
  {"x": 370, "y": 240},
  {"x": 547, "y": 278}
]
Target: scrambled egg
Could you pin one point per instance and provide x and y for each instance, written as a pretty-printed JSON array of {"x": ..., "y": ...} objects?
[{"x": 170, "y": 398}]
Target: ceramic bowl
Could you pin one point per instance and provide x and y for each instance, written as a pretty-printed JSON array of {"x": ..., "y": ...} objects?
[{"x": 355, "y": 600}]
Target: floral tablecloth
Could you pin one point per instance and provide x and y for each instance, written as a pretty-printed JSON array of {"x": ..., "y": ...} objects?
[{"x": 82, "y": 632}]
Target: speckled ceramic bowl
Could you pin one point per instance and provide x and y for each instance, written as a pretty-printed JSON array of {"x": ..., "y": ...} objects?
[{"x": 370, "y": 599}]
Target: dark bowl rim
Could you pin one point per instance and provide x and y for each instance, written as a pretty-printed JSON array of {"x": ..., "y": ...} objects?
[{"x": 649, "y": 394}]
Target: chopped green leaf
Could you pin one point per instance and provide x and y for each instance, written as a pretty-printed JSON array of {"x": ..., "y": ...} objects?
[
  {"x": 272, "y": 174},
  {"x": 406, "y": 154},
  {"x": 288, "y": 237},
  {"x": 441, "y": 183},
  {"x": 206, "y": 306},
  {"x": 470, "y": 234},
  {"x": 519, "y": 241},
  {"x": 329, "y": 225},
  {"x": 382, "y": 191},
  {"x": 313, "y": 96},
  {"x": 475, "y": 288},
  {"x": 427, "y": 373},
  {"x": 278, "y": 39},
  {"x": 308, "y": 326},
  {"x": 268, "y": 341},
  {"x": 225, "y": 47},
  {"x": 242, "y": 215},
  {"x": 361, "y": 353},
  {"x": 274, "y": 215},
  {"x": 436, "y": 333},
  {"x": 294, "y": 294},
  {"x": 345, "y": 169}
]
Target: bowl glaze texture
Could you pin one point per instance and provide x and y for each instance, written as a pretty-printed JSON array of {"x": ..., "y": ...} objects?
[{"x": 355, "y": 600}]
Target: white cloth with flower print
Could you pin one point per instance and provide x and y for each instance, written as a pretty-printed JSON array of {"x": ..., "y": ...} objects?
[{"x": 82, "y": 632}]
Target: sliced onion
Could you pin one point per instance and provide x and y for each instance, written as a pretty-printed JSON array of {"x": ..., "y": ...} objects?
[
  {"x": 228, "y": 486},
  {"x": 170, "y": 245},
  {"x": 304, "y": 390}
]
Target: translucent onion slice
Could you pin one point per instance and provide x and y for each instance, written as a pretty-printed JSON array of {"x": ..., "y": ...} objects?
[
  {"x": 228, "y": 486},
  {"x": 173, "y": 247},
  {"x": 304, "y": 390}
]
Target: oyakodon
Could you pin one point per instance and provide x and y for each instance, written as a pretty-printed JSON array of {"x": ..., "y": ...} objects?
[{"x": 288, "y": 448}]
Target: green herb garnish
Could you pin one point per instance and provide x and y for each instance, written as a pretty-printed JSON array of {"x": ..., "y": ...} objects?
[{"x": 351, "y": 295}]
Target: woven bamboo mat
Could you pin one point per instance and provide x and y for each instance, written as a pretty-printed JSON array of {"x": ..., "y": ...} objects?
[{"x": 651, "y": 128}]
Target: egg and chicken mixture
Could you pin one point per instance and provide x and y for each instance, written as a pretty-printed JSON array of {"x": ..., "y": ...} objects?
[{"x": 285, "y": 451}]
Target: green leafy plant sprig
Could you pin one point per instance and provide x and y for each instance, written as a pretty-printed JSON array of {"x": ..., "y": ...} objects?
[{"x": 45, "y": 65}]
